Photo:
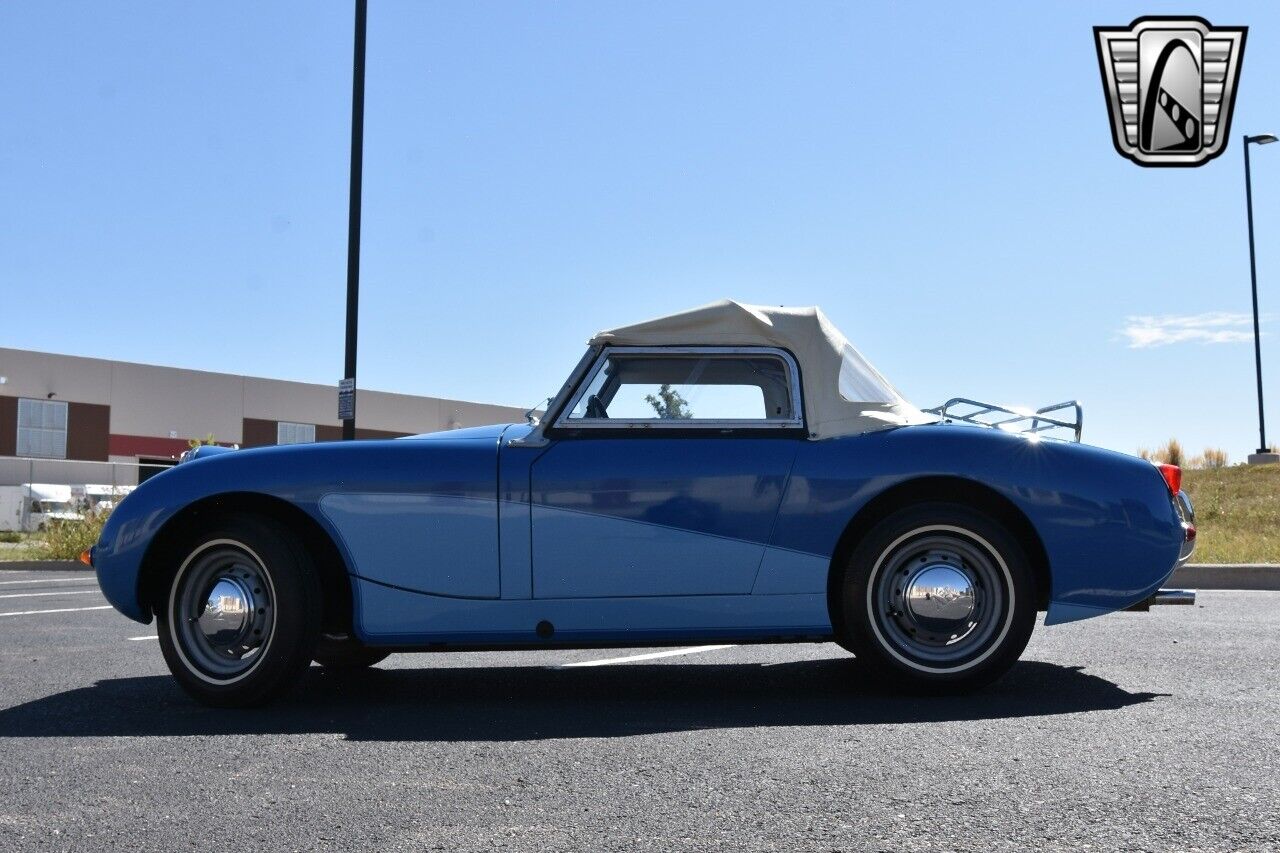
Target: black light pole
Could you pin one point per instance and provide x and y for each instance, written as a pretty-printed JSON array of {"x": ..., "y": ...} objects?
[
  {"x": 1260, "y": 139},
  {"x": 353, "y": 216}
]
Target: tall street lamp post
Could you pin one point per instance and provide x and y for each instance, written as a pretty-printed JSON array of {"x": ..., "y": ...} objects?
[
  {"x": 347, "y": 410},
  {"x": 1264, "y": 453}
]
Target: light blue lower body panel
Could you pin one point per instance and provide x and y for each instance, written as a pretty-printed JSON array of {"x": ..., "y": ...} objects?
[
  {"x": 585, "y": 555},
  {"x": 441, "y": 544},
  {"x": 389, "y": 616},
  {"x": 785, "y": 572}
]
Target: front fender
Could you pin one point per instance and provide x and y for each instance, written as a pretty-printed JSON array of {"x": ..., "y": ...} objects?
[
  {"x": 131, "y": 530},
  {"x": 462, "y": 464}
]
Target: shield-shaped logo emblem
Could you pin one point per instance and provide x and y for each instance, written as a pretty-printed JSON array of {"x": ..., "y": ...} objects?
[{"x": 1170, "y": 86}]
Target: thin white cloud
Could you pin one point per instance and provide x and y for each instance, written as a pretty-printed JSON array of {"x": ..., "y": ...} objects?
[{"x": 1213, "y": 327}]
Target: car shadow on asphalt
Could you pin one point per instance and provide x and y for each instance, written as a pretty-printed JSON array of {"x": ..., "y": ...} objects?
[{"x": 536, "y": 703}]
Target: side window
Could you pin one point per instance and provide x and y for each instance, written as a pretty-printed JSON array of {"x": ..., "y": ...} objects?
[{"x": 648, "y": 388}]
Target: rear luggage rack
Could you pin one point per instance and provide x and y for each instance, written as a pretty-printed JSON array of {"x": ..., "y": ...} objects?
[{"x": 1020, "y": 420}]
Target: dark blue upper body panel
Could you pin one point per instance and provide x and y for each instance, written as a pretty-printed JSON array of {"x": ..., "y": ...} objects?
[
  {"x": 464, "y": 516},
  {"x": 1107, "y": 521}
]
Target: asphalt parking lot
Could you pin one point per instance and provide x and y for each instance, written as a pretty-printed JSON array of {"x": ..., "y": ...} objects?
[{"x": 1155, "y": 731}]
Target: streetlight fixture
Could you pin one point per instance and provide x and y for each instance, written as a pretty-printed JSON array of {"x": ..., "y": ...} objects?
[{"x": 1264, "y": 453}]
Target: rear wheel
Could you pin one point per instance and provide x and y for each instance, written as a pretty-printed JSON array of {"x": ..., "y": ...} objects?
[
  {"x": 241, "y": 615},
  {"x": 938, "y": 596}
]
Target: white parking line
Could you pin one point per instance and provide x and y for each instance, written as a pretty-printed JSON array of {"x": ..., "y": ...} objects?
[
  {"x": 42, "y": 594},
  {"x": 61, "y": 610},
  {"x": 50, "y": 580},
  {"x": 693, "y": 650},
  {"x": 143, "y": 637}
]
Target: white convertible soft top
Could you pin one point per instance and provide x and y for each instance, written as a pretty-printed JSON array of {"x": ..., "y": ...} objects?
[{"x": 844, "y": 394}]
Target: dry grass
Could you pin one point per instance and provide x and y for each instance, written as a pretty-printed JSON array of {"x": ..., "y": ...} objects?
[
  {"x": 19, "y": 546},
  {"x": 1170, "y": 453},
  {"x": 63, "y": 540},
  {"x": 1237, "y": 513},
  {"x": 1213, "y": 457}
]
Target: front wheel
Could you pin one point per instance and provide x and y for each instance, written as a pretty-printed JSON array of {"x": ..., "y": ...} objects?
[
  {"x": 938, "y": 597},
  {"x": 241, "y": 616}
]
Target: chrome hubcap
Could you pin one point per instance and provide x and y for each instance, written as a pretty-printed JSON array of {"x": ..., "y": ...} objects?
[
  {"x": 222, "y": 612},
  {"x": 227, "y": 613},
  {"x": 938, "y": 599}
]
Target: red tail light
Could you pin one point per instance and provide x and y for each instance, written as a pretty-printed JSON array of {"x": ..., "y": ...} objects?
[{"x": 1172, "y": 476}]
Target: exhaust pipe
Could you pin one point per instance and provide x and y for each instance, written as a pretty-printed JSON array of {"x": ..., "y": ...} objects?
[
  {"x": 1166, "y": 597},
  {"x": 1174, "y": 596}
]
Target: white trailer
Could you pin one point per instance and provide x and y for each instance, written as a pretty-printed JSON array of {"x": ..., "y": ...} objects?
[
  {"x": 99, "y": 496},
  {"x": 33, "y": 506}
]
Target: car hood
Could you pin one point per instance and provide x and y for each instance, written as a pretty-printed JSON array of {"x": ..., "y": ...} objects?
[{"x": 491, "y": 431}]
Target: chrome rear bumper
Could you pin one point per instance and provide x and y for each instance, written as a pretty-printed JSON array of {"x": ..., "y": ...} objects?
[{"x": 1187, "y": 513}]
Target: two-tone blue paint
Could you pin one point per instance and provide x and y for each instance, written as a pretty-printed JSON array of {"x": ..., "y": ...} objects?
[{"x": 462, "y": 538}]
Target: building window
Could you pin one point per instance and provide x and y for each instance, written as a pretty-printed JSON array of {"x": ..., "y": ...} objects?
[
  {"x": 287, "y": 433},
  {"x": 42, "y": 428}
]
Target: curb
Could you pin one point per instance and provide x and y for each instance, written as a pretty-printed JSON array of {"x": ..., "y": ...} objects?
[
  {"x": 1227, "y": 576},
  {"x": 44, "y": 566}
]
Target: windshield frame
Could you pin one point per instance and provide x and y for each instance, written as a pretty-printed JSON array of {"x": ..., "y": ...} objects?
[{"x": 796, "y": 421}]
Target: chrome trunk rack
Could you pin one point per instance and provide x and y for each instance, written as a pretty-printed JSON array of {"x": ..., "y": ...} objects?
[{"x": 1045, "y": 420}]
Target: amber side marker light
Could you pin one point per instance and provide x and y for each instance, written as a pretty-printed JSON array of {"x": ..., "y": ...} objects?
[{"x": 86, "y": 557}]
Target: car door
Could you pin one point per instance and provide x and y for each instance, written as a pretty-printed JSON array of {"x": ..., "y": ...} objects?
[{"x": 665, "y": 473}]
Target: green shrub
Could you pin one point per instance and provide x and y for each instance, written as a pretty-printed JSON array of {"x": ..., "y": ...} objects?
[
  {"x": 65, "y": 539},
  {"x": 10, "y": 536}
]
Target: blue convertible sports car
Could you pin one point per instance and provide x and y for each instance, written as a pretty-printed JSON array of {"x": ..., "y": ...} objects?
[{"x": 731, "y": 473}]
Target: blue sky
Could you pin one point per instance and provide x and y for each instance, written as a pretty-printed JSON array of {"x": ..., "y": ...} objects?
[{"x": 939, "y": 178}]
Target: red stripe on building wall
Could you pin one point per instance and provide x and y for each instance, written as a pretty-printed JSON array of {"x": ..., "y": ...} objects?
[{"x": 145, "y": 445}]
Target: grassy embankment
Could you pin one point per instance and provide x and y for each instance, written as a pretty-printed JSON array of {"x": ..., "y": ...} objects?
[{"x": 1237, "y": 513}]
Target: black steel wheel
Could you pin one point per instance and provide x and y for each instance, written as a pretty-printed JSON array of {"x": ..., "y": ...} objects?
[
  {"x": 938, "y": 596},
  {"x": 240, "y": 617}
]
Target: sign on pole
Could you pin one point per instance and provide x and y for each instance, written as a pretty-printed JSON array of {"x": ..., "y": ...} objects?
[{"x": 346, "y": 400}]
